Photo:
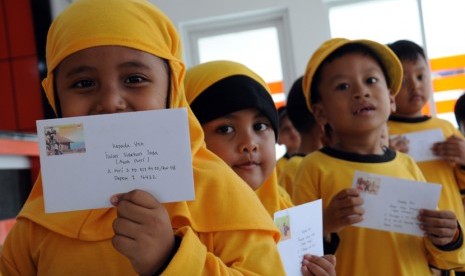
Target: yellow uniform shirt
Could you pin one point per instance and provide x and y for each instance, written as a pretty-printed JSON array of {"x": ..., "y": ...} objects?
[
  {"x": 286, "y": 180},
  {"x": 364, "y": 251}
]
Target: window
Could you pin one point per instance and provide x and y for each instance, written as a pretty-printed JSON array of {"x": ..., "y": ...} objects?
[{"x": 260, "y": 40}]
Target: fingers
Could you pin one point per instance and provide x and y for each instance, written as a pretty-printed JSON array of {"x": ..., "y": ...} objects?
[
  {"x": 344, "y": 209},
  {"x": 138, "y": 197},
  {"x": 452, "y": 150},
  {"x": 439, "y": 226},
  {"x": 318, "y": 266}
]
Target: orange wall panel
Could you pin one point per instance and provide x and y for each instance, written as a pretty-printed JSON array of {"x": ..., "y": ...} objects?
[
  {"x": 7, "y": 104},
  {"x": 20, "y": 28},
  {"x": 27, "y": 92},
  {"x": 3, "y": 41}
]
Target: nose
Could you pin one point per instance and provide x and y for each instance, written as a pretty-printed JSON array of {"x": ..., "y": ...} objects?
[
  {"x": 413, "y": 84},
  {"x": 110, "y": 100},
  {"x": 360, "y": 91},
  {"x": 248, "y": 143}
]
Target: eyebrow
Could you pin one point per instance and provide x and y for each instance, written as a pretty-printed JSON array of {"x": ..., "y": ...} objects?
[
  {"x": 134, "y": 64},
  {"x": 79, "y": 69},
  {"x": 85, "y": 68}
]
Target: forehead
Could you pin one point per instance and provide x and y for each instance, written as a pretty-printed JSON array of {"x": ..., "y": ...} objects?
[
  {"x": 419, "y": 63},
  {"x": 102, "y": 56},
  {"x": 344, "y": 65}
]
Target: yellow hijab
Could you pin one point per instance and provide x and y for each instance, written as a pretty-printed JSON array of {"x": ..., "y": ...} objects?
[
  {"x": 223, "y": 202},
  {"x": 201, "y": 77}
]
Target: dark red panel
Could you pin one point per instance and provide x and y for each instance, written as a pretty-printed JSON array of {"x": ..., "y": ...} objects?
[
  {"x": 27, "y": 93},
  {"x": 3, "y": 38},
  {"x": 7, "y": 106},
  {"x": 20, "y": 28}
]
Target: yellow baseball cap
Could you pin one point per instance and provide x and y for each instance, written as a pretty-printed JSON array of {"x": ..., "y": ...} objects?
[{"x": 388, "y": 59}]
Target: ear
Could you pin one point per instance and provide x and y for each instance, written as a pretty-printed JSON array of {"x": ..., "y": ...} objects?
[
  {"x": 392, "y": 102},
  {"x": 319, "y": 114}
]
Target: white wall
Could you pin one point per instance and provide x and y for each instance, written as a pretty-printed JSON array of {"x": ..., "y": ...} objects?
[{"x": 308, "y": 19}]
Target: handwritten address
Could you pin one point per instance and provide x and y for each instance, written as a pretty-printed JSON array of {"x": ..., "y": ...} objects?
[{"x": 128, "y": 163}]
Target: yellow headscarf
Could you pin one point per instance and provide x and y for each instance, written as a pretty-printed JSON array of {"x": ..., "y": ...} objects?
[
  {"x": 201, "y": 77},
  {"x": 223, "y": 202}
]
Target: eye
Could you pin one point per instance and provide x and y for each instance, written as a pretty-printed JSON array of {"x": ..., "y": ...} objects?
[
  {"x": 420, "y": 77},
  {"x": 261, "y": 126},
  {"x": 371, "y": 80},
  {"x": 135, "y": 79},
  {"x": 83, "y": 84},
  {"x": 342, "y": 86},
  {"x": 225, "y": 129}
]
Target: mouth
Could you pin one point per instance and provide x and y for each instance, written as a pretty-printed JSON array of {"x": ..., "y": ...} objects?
[
  {"x": 247, "y": 165},
  {"x": 416, "y": 98},
  {"x": 364, "y": 109}
]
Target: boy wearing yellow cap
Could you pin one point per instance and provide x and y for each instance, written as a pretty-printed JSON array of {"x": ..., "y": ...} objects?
[
  {"x": 350, "y": 87},
  {"x": 414, "y": 94},
  {"x": 240, "y": 122},
  {"x": 108, "y": 56}
]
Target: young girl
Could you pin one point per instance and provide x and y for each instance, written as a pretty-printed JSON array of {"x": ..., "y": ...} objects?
[
  {"x": 109, "y": 56},
  {"x": 240, "y": 122}
]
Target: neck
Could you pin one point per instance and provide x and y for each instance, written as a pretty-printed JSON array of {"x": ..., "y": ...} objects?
[
  {"x": 360, "y": 144},
  {"x": 409, "y": 115},
  {"x": 310, "y": 143}
]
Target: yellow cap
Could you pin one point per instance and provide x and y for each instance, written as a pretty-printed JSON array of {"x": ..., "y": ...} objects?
[{"x": 388, "y": 59}]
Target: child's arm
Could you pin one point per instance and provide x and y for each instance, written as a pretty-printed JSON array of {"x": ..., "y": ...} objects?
[
  {"x": 440, "y": 226},
  {"x": 199, "y": 253},
  {"x": 444, "y": 239},
  {"x": 143, "y": 231},
  {"x": 319, "y": 266},
  {"x": 344, "y": 209}
]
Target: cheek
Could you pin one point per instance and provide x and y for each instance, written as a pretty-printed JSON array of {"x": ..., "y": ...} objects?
[
  {"x": 220, "y": 148},
  {"x": 269, "y": 154}
]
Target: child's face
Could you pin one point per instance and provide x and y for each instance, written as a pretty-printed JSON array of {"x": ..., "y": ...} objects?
[
  {"x": 110, "y": 79},
  {"x": 288, "y": 135},
  {"x": 355, "y": 98},
  {"x": 416, "y": 88},
  {"x": 245, "y": 141}
]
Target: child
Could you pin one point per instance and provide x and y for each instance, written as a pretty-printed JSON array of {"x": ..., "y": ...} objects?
[
  {"x": 414, "y": 94},
  {"x": 108, "y": 56},
  {"x": 288, "y": 136},
  {"x": 350, "y": 85},
  {"x": 309, "y": 131},
  {"x": 240, "y": 122},
  {"x": 459, "y": 111}
]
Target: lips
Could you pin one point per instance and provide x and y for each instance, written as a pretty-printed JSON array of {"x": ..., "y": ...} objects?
[
  {"x": 247, "y": 165},
  {"x": 364, "y": 108},
  {"x": 416, "y": 98}
]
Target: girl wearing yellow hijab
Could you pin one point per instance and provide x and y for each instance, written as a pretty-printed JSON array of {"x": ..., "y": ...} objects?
[
  {"x": 237, "y": 113},
  {"x": 108, "y": 56}
]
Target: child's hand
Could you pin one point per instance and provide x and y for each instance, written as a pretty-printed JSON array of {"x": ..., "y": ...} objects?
[
  {"x": 143, "y": 231},
  {"x": 453, "y": 150},
  {"x": 399, "y": 143},
  {"x": 316, "y": 266},
  {"x": 439, "y": 226},
  {"x": 344, "y": 209}
]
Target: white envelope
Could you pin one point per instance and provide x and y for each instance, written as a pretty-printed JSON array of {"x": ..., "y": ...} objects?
[
  {"x": 301, "y": 233},
  {"x": 392, "y": 204},
  {"x": 84, "y": 160}
]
